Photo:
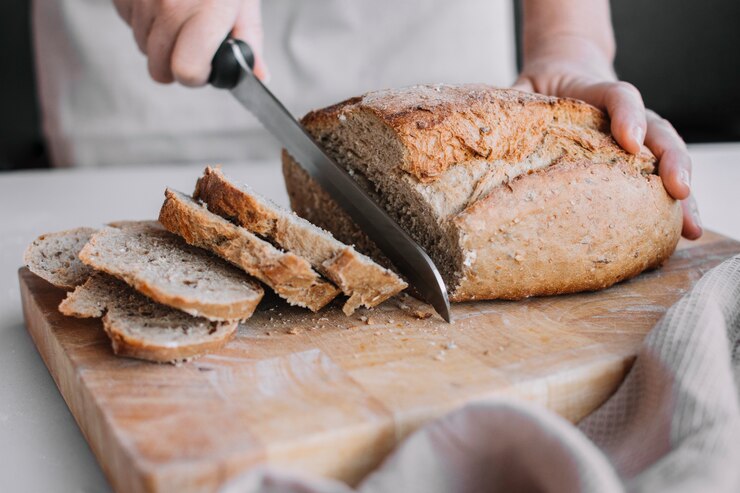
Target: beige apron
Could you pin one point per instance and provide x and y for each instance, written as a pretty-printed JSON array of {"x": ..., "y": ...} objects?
[{"x": 101, "y": 108}]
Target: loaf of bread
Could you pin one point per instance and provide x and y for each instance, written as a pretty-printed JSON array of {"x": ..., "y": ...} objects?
[
  {"x": 365, "y": 282},
  {"x": 512, "y": 194}
]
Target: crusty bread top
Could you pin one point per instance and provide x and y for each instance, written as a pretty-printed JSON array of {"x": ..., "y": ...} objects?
[
  {"x": 140, "y": 328},
  {"x": 162, "y": 266},
  {"x": 286, "y": 273},
  {"x": 440, "y": 125},
  {"x": 53, "y": 257},
  {"x": 359, "y": 277}
]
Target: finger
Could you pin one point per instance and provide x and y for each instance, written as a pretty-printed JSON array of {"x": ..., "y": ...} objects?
[
  {"x": 124, "y": 7},
  {"x": 627, "y": 112},
  {"x": 198, "y": 40},
  {"x": 674, "y": 162},
  {"x": 623, "y": 102},
  {"x": 523, "y": 84},
  {"x": 692, "y": 228},
  {"x": 142, "y": 17},
  {"x": 248, "y": 27},
  {"x": 161, "y": 43}
]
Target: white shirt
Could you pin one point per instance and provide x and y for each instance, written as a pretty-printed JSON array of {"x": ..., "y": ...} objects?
[{"x": 100, "y": 107}]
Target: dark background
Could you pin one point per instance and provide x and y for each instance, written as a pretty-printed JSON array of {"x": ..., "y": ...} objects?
[{"x": 683, "y": 55}]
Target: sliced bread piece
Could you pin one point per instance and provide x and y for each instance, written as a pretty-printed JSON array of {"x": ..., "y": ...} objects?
[
  {"x": 163, "y": 267},
  {"x": 287, "y": 274},
  {"x": 140, "y": 328},
  {"x": 53, "y": 257},
  {"x": 364, "y": 281}
]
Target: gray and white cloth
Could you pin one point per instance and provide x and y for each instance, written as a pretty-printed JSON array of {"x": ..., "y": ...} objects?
[{"x": 673, "y": 425}]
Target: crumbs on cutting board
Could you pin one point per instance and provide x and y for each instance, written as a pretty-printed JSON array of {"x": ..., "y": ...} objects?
[
  {"x": 386, "y": 321},
  {"x": 414, "y": 307}
]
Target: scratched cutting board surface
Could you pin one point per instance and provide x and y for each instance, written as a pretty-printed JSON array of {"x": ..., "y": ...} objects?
[{"x": 331, "y": 395}]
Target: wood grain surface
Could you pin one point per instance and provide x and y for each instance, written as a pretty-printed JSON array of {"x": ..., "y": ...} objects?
[{"x": 331, "y": 395}]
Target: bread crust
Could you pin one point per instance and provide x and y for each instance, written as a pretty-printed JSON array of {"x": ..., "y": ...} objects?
[
  {"x": 133, "y": 347},
  {"x": 439, "y": 125},
  {"x": 568, "y": 228},
  {"x": 581, "y": 215}
]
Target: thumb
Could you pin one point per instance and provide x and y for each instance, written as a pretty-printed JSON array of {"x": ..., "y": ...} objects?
[
  {"x": 523, "y": 84},
  {"x": 248, "y": 27}
]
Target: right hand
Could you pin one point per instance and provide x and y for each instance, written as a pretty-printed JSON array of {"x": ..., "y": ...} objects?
[{"x": 180, "y": 37}]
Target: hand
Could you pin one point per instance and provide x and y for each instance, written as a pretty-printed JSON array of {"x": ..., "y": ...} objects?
[
  {"x": 631, "y": 124},
  {"x": 180, "y": 37}
]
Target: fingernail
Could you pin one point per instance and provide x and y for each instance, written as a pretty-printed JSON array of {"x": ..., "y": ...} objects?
[
  {"x": 266, "y": 75},
  {"x": 695, "y": 212},
  {"x": 638, "y": 134},
  {"x": 685, "y": 178}
]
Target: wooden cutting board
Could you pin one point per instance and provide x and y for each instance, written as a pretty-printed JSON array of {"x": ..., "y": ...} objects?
[{"x": 331, "y": 395}]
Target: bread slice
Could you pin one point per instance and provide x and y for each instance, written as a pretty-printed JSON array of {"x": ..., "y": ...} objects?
[
  {"x": 53, "y": 257},
  {"x": 140, "y": 328},
  {"x": 287, "y": 274},
  {"x": 359, "y": 277},
  {"x": 511, "y": 194},
  {"x": 163, "y": 267}
]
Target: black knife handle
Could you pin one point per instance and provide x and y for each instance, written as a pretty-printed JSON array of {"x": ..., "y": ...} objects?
[{"x": 225, "y": 69}]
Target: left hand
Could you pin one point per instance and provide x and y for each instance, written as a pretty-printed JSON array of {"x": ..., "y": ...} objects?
[{"x": 631, "y": 124}]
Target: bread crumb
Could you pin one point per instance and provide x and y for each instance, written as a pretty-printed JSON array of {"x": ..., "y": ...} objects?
[
  {"x": 293, "y": 331},
  {"x": 486, "y": 352},
  {"x": 421, "y": 315}
]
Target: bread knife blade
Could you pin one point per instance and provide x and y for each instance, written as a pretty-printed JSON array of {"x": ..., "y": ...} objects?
[{"x": 231, "y": 69}]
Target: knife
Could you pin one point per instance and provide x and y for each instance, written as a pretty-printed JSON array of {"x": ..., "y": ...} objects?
[{"x": 231, "y": 68}]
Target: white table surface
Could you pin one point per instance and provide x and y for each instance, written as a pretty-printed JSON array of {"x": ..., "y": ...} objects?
[{"x": 41, "y": 447}]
